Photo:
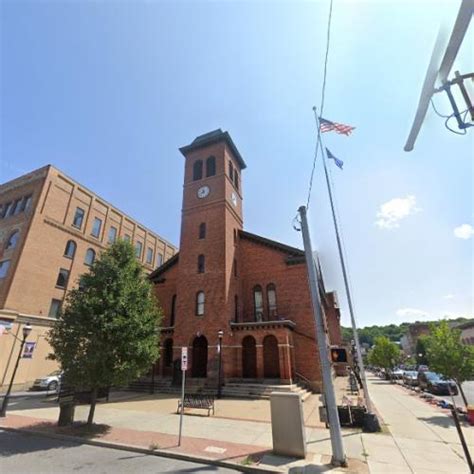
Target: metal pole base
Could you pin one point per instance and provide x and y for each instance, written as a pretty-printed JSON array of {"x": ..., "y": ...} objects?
[
  {"x": 371, "y": 423},
  {"x": 336, "y": 463}
]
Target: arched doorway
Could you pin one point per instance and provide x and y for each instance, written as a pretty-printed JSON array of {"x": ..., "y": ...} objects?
[
  {"x": 249, "y": 358},
  {"x": 167, "y": 358},
  {"x": 271, "y": 362},
  {"x": 199, "y": 360}
]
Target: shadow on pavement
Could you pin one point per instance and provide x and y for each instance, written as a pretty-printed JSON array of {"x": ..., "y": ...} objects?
[
  {"x": 23, "y": 443},
  {"x": 443, "y": 421},
  {"x": 33, "y": 442}
]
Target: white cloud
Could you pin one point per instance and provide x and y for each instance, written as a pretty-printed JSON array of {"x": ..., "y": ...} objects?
[
  {"x": 449, "y": 296},
  {"x": 393, "y": 211},
  {"x": 411, "y": 314},
  {"x": 464, "y": 231}
]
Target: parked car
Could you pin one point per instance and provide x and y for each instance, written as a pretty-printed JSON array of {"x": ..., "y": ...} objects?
[
  {"x": 50, "y": 382},
  {"x": 397, "y": 374},
  {"x": 410, "y": 377},
  {"x": 434, "y": 383}
]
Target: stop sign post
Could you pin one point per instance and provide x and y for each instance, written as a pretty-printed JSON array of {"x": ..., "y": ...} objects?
[{"x": 184, "y": 368}]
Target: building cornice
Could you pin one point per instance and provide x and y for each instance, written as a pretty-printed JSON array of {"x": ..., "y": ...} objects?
[{"x": 256, "y": 325}]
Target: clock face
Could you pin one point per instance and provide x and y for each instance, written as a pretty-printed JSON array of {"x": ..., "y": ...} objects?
[
  {"x": 203, "y": 192},
  {"x": 234, "y": 199}
]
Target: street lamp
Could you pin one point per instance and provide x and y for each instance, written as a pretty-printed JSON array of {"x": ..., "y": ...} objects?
[
  {"x": 220, "y": 335},
  {"x": 26, "y": 332}
]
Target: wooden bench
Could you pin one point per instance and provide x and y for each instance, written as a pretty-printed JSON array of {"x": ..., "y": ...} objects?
[{"x": 204, "y": 402}]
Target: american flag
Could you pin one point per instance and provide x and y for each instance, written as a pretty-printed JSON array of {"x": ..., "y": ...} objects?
[{"x": 328, "y": 126}]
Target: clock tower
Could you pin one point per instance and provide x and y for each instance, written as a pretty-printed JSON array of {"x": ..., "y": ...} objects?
[{"x": 208, "y": 283}]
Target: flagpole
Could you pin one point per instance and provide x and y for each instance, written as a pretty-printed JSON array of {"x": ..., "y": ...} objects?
[{"x": 346, "y": 283}]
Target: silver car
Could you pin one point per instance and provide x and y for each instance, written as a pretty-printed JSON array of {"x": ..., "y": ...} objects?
[{"x": 51, "y": 382}]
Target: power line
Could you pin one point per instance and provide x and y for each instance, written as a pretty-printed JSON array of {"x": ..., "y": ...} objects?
[{"x": 321, "y": 105}]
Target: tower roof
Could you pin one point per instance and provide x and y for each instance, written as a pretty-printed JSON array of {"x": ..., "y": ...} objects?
[{"x": 211, "y": 138}]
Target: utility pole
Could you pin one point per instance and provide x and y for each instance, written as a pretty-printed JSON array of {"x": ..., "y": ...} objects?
[
  {"x": 338, "y": 454},
  {"x": 371, "y": 421}
]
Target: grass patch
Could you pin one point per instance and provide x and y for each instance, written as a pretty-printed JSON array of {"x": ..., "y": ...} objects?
[{"x": 247, "y": 461}]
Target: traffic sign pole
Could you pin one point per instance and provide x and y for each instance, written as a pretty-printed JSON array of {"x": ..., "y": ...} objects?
[{"x": 184, "y": 367}]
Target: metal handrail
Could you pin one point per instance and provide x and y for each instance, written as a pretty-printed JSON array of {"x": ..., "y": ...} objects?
[{"x": 306, "y": 381}]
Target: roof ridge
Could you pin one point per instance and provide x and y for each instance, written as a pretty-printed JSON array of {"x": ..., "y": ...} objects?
[{"x": 271, "y": 243}]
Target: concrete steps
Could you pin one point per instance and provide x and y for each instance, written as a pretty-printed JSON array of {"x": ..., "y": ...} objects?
[
  {"x": 231, "y": 389},
  {"x": 261, "y": 390}
]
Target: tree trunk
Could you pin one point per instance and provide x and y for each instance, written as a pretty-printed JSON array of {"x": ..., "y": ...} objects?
[
  {"x": 463, "y": 395},
  {"x": 90, "y": 419}
]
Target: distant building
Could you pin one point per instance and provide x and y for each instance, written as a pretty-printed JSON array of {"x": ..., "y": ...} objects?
[
  {"x": 253, "y": 289},
  {"x": 414, "y": 332},
  {"x": 467, "y": 332},
  {"x": 51, "y": 230}
]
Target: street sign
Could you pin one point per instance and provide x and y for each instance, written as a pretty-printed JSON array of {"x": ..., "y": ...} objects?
[
  {"x": 184, "y": 367},
  {"x": 184, "y": 359}
]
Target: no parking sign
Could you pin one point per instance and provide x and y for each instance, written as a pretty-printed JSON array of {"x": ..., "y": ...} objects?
[{"x": 184, "y": 359}]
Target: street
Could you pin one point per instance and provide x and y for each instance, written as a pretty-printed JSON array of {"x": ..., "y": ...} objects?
[
  {"x": 22, "y": 453},
  {"x": 468, "y": 388}
]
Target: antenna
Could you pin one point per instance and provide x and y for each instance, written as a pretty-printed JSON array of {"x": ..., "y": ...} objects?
[{"x": 436, "y": 79}]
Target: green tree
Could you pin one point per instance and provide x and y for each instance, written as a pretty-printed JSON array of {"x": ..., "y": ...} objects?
[
  {"x": 107, "y": 333},
  {"x": 384, "y": 354},
  {"x": 421, "y": 358},
  {"x": 448, "y": 356}
]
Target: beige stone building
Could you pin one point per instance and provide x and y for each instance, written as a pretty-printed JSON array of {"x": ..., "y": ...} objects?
[{"x": 51, "y": 230}]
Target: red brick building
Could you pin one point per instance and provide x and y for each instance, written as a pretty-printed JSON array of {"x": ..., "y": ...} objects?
[{"x": 253, "y": 289}]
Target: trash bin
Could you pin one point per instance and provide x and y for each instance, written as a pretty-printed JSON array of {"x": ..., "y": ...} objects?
[{"x": 470, "y": 414}]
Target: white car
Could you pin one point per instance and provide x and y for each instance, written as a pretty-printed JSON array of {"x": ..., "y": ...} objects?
[
  {"x": 51, "y": 382},
  {"x": 397, "y": 374}
]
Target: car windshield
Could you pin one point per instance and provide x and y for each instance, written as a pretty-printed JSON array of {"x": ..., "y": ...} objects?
[
  {"x": 56, "y": 372},
  {"x": 432, "y": 376},
  {"x": 411, "y": 373}
]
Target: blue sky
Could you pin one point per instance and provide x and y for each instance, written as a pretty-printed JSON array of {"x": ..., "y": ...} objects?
[{"x": 108, "y": 91}]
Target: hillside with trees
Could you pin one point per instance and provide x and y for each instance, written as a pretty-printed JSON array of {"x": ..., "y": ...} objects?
[{"x": 393, "y": 332}]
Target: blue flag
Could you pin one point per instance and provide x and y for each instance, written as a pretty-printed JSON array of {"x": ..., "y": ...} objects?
[{"x": 339, "y": 163}]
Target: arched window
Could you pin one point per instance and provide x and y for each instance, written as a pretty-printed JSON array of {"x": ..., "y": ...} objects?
[
  {"x": 173, "y": 311},
  {"x": 210, "y": 166},
  {"x": 258, "y": 303},
  {"x": 12, "y": 240},
  {"x": 201, "y": 263},
  {"x": 70, "y": 249},
  {"x": 197, "y": 170},
  {"x": 236, "y": 179},
  {"x": 272, "y": 301},
  {"x": 231, "y": 171},
  {"x": 90, "y": 257},
  {"x": 236, "y": 309},
  {"x": 202, "y": 230},
  {"x": 168, "y": 353},
  {"x": 200, "y": 300}
]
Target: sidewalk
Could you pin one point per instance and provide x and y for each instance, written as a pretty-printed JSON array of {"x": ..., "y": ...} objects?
[
  {"x": 151, "y": 422},
  {"x": 422, "y": 437},
  {"x": 418, "y": 437}
]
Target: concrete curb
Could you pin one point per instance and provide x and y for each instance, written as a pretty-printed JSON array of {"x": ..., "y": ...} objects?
[{"x": 156, "y": 452}]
